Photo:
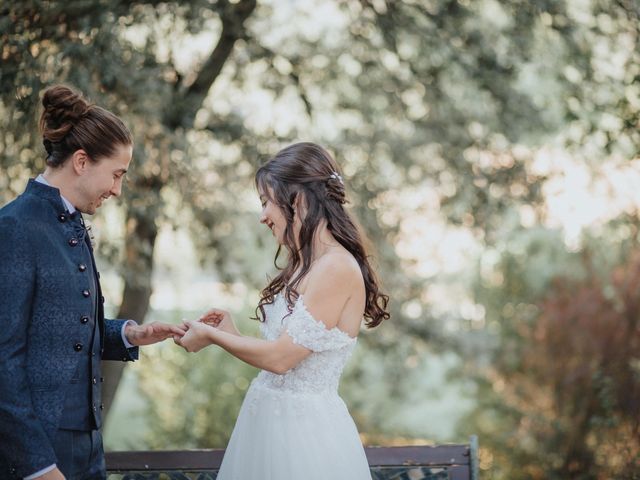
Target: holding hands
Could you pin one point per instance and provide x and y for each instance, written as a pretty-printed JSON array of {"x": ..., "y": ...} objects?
[
  {"x": 153, "y": 332},
  {"x": 193, "y": 336},
  {"x": 206, "y": 330}
]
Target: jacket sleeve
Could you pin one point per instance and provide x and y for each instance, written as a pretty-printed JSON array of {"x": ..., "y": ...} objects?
[
  {"x": 25, "y": 446},
  {"x": 114, "y": 348}
]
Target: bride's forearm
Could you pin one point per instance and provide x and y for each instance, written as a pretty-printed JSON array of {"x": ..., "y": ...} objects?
[{"x": 263, "y": 354}]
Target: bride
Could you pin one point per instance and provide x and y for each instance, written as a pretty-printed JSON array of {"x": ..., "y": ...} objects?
[{"x": 292, "y": 423}]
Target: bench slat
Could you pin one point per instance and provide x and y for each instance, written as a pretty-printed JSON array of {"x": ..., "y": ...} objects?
[
  {"x": 418, "y": 455},
  {"x": 445, "y": 455}
]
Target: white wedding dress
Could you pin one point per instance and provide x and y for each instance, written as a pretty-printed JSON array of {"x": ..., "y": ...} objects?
[{"x": 295, "y": 426}]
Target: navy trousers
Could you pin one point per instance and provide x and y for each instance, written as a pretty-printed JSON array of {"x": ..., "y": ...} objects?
[{"x": 80, "y": 454}]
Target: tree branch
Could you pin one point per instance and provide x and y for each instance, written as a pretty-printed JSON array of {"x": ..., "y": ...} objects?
[{"x": 191, "y": 98}]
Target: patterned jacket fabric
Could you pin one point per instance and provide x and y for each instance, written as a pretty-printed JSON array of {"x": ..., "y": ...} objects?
[{"x": 45, "y": 295}]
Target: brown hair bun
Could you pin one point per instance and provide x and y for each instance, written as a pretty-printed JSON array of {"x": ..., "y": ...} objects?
[
  {"x": 69, "y": 123},
  {"x": 63, "y": 108}
]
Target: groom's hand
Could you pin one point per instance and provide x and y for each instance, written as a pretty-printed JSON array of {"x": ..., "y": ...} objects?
[{"x": 153, "y": 332}]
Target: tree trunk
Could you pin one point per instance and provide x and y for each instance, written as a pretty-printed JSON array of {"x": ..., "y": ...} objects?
[
  {"x": 141, "y": 237},
  {"x": 141, "y": 227}
]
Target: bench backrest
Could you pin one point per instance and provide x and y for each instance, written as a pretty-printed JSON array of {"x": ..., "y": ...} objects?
[{"x": 441, "y": 462}]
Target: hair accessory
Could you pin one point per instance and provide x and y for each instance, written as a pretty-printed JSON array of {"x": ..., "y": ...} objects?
[{"x": 336, "y": 176}]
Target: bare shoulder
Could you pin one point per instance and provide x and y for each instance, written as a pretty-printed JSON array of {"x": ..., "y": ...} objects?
[
  {"x": 336, "y": 271},
  {"x": 334, "y": 291}
]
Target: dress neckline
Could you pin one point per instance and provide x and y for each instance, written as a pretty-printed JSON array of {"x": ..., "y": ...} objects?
[{"x": 300, "y": 303}]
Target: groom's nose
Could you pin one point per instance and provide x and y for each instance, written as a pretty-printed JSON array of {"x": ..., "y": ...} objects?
[{"x": 116, "y": 189}]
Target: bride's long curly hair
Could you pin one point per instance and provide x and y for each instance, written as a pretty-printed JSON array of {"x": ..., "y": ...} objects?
[{"x": 307, "y": 169}]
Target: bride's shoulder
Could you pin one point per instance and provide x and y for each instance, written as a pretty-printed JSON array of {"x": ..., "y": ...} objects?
[{"x": 336, "y": 270}]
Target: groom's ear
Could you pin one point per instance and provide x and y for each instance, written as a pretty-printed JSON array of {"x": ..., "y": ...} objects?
[{"x": 80, "y": 162}]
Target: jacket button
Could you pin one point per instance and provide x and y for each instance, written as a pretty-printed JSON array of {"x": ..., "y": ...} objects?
[
  {"x": 94, "y": 408},
  {"x": 12, "y": 471},
  {"x": 94, "y": 380},
  {"x": 102, "y": 406},
  {"x": 62, "y": 217},
  {"x": 84, "y": 319},
  {"x": 101, "y": 379},
  {"x": 73, "y": 242},
  {"x": 82, "y": 267},
  {"x": 86, "y": 293},
  {"x": 77, "y": 347}
]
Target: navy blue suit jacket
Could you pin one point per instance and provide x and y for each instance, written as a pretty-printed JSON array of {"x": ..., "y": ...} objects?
[{"x": 42, "y": 302}]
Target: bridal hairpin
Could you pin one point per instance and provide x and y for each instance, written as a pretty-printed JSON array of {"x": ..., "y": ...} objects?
[{"x": 336, "y": 176}]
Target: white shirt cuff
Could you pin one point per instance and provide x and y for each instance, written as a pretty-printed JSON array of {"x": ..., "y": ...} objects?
[
  {"x": 41, "y": 472},
  {"x": 124, "y": 337}
]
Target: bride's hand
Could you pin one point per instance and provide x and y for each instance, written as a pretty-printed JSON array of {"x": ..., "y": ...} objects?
[
  {"x": 220, "y": 319},
  {"x": 198, "y": 336}
]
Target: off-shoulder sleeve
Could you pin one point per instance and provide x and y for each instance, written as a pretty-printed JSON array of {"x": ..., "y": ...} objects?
[{"x": 310, "y": 333}]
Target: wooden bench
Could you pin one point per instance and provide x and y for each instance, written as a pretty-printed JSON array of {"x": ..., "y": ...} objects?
[{"x": 442, "y": 462}]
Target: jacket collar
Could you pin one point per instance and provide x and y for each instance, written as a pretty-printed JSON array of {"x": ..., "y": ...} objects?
[
  {"x": 40, "y": 179},
  {"x": 48, "y": 193}
]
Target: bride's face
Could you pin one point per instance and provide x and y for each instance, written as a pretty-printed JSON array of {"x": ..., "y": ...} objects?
[{"x": 272, "y": 215}]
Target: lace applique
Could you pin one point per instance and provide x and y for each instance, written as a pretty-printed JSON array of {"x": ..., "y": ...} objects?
[
  {"x": 321, "y": 370},
  {"x": 310, "y": 333}
]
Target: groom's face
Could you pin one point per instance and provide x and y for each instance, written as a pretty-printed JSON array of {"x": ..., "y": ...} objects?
[{"x": 103, "y": 179}]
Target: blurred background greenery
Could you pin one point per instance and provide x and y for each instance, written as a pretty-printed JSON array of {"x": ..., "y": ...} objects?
[{"x": 490, "y": 149}]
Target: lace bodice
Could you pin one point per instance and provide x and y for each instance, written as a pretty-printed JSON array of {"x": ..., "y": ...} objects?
[{"x": 331, "y": 348}]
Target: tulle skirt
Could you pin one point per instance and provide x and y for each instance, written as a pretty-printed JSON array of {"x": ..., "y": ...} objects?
[{"x": 282, "y": 435}]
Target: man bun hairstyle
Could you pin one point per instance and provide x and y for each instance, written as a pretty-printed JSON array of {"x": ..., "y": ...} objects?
[{"x": 69, "y": 123}]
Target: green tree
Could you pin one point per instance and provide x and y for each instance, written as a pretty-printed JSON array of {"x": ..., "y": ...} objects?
[
  {"x": 447, "y": 97},
  {"x": 558, "y": 393},
  {"x": 549, "y": 388}
]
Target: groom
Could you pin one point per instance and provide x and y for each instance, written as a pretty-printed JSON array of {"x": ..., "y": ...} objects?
[{"x": 53, "y": 333}]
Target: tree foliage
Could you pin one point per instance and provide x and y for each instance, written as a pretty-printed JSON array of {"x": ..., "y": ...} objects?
[
  {"x": 558, "y": 398},
  {"x": 444, "y": 100}
]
